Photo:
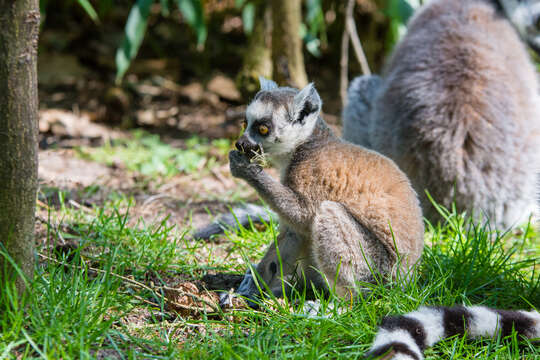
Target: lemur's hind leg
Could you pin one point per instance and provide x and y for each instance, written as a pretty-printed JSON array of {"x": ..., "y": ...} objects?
[
  {"x": 343, "y": 250},
  {"x": 271, "y": 267}
]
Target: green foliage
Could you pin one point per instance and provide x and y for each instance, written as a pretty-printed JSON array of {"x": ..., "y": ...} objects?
[
  {"x": 248, "y": 17},
  {"x": 192, "y": 11},
  {"x": 89, "y": 9},
  {"x": 463, "y": 263},
  {"x": 314, "y": 30},
  {"x": 84, "y": 4},
  {"x": 67, "y": 313},
  {"x": 134, "y": 34},
  {"x": 148, "y": 155},
  {"x": 399, "y": 12}
]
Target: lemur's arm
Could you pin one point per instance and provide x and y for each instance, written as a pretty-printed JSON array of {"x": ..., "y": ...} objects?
[{"x": 280, "y": 198}]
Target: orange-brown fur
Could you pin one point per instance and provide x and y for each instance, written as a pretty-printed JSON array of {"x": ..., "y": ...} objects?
[{"x": 370, "y": 186}]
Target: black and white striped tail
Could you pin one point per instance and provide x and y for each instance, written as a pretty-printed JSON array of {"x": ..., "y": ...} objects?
[{"x": 406, "y": 337}]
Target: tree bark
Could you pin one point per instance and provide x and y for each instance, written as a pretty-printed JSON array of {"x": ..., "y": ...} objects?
[
  {"x": 287, "y": 56},
  {"x": 19, "y": 24}
]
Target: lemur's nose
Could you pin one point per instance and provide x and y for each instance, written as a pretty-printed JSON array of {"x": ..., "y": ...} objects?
[{"x": 248, "y": 147}]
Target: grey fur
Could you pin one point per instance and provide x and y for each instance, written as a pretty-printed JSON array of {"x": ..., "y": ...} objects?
[
  {"x": 266, "y": 84},
  {"x": 362, "y": 91},
  {"x": 458, "y": 110}
]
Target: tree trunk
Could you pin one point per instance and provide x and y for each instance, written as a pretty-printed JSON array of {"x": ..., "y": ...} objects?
[
  {"x": 257, "y": 59},
  {"x": 19, "y": 24},
  {"x": 287, "y": 57}
]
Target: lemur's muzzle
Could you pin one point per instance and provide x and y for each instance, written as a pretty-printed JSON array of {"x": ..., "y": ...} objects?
[{"x": 247, "y": 146}]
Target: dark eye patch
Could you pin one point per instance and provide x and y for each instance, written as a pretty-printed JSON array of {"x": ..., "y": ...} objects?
[{"x": 263, "y": 121}]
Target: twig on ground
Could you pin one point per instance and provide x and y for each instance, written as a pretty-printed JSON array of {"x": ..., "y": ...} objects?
[
  {"x": 56, "y": 229},
  {"x": 42, "y": 204},
  {"x": 79, "y": 206},
  {"x": 224, "y": 181},
  {"x": 153, "y": 198},
  {"x": 145, "y": 287}
]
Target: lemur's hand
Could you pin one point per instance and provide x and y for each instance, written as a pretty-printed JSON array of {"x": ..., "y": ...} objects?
[{"x": 241, "y": 167}]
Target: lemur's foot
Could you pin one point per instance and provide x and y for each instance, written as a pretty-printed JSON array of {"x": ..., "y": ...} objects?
[{"x": 247, "y": 290}]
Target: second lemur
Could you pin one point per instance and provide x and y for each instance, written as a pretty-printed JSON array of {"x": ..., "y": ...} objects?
[
  {"x": 344, "y": 211},
  {"x": 458, "y": 108}
]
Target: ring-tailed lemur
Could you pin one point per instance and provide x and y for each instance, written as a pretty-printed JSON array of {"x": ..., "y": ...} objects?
[
  {"x": 344, "y": 211},
  {"x": 458, "y": 108}
]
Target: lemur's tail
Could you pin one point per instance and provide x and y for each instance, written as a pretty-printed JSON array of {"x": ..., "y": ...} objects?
[
  {"x": 241, "y": 215},
  {"x": 406, "y": 337},
  {"x": 356, "y": 114}
]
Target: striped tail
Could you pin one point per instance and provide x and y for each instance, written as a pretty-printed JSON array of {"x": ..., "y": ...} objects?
[{"x": 406, "y": 337}]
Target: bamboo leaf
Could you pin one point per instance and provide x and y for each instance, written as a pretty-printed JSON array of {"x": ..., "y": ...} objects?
[
  {"x": 89, "y": 9},
  {"x": 248, "y": 17},
  {"x": 133, "y": 36},
  {"x": 165, "y": 11},
  {"x": 193, "y": 13}
]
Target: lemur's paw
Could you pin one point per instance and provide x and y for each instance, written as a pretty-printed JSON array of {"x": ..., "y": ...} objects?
[{"x": 241, "y": 166}]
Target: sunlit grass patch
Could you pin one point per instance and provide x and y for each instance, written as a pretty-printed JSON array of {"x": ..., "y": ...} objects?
[
  {"x": 85, "y": 300},
  {"x": 148, "y": 155}
]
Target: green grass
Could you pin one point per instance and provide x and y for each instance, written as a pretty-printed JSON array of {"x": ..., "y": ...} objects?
[
  {"x": 81, "y": 306},
  {"x": 148, "y": 155}
]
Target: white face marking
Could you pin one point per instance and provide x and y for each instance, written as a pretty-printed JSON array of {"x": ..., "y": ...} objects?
[
  {"x": 257, "y": 110},
  {"x": 284, "y": 137}
]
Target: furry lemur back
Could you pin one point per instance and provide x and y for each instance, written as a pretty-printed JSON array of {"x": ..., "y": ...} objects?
[{"x": 458, "y": 110}]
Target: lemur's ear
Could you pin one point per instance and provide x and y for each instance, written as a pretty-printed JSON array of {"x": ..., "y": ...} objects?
[
  {"x": 266, "y": 84},
  {"x": 306, "y": 103}
]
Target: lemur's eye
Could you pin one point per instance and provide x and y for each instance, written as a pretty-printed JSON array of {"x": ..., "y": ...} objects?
[
  {"x": 263, "y": 129},
  {"x": 244, "y": 124}
]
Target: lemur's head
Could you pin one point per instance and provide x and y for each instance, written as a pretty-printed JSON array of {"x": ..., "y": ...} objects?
[
  {"x": 525, "y": 15},
  {"x": 279, "y": 119}
]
